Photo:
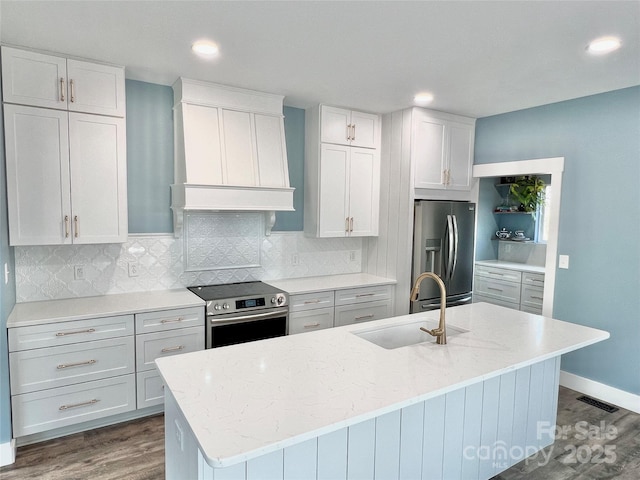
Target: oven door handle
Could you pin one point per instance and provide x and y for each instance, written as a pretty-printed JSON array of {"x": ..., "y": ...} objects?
[{"x": 255, "y": 316}]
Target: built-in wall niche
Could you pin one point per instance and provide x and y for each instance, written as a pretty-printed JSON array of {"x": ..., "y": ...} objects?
[{"x": 222, "y": 240}]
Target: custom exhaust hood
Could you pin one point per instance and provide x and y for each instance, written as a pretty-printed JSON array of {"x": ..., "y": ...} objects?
[{"x": 230, "y": 151}]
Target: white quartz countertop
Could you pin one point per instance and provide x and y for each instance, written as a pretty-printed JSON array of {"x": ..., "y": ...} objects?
[
  {"x": 523, "y": 267},
  {"x": 246, "y": 400},
  {"x": 295, "y": 286},
  {"x": 48, "y": 311}
]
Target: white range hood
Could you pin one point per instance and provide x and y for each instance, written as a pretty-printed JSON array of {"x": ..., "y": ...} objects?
[{"x": 230, "y": 151}]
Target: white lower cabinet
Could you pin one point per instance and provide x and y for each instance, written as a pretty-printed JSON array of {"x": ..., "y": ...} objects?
[
  {"x": 326, "y": 309},
  {"x": 510, "y": 288},
  {"x": 149, "y": 389}
]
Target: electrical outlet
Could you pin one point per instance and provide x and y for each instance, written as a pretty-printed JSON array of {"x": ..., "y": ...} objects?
[
  {"x": 133, "y": 269},
  {"x": 179, "y": 436},
  {"x": 352, "y": 256},
  {"x": 78, "y": 272},
  {"x": 295, "y": 259}
]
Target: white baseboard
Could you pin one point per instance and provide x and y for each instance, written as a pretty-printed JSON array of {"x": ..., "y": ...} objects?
[
  {"x": 601, "y": 391},
  {"x": 7, "y": 452}
]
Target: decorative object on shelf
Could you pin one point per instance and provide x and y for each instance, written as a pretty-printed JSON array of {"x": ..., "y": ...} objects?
[
  {"x": 529, "y": 192},
  {"x": 503, "y": 234}
]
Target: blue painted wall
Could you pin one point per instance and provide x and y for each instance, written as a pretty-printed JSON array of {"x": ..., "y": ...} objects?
[
  {"x": 150, "y": 159},
  {"x": 7, "y": 300},
  {"x": 599, "y": 136}
]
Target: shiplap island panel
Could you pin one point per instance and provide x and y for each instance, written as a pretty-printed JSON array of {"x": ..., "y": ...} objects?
[{"x": 292, "y": 404}]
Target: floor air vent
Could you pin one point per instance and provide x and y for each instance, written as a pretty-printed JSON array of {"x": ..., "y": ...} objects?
[{"x": 597, "y": 403}]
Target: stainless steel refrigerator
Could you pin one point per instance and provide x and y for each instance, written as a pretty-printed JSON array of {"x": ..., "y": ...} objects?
[{"x": 443, "y": 243}]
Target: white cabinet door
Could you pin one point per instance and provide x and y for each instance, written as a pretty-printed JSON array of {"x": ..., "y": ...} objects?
[
  {"x": 364, "y": 192},
  {"x": 98, "y": 178},
  {"x": 95, "y": 88},
  {"x": 335, "y": 125},
  {"x": 310, "y": 320},
  {"x": 461, "y": 137},
  {"x": 429, "y": 154},
  {"x": 364, "y": 130},
  {"x": 334, "y": 160},
  {"x": 37, "y": 175},
  {"x": 36, "y": 79}
]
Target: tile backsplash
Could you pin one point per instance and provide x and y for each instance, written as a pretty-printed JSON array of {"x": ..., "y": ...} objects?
[{"x": 47, "y": 272}]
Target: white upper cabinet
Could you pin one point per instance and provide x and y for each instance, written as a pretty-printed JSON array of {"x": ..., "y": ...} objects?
[
  {"x": 342, "y": 182},
  {"x": 442, "y": 150},
  {"x": 349, "y": 127},
  {"x": 50, "y": 81}
]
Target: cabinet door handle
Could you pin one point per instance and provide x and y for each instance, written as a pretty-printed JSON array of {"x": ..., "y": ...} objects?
[
  {"x": 351, "y": 224},
  {"x": 364, "y": 317},
  {"x": 82, "y": 404},
  {"x": 346, "y": 224},
  {"x": 62, "y": 334},
  {"x": 172, "y": 349},
  {"x": 77, "y": 364},
  {"x": 66, "y": 226},
  {"x": 75, "y": 226},
  {"x": 312, "y": 325},
  {"x": 73, "y": 92},
  {"x": 61, "y": 89},
  {"x": 173, "y": 320},
  {"x": 348, "y": 132},
  {"x": 353, "y": 135}
]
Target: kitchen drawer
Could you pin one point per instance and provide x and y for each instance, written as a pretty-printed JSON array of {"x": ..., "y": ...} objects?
[
  {"x": 498, "y": 289},
  {"x": 534, "y": 279},
  {"x": 52, "y": 367},
  {"x": 480, "y": 298},
  {"x": 308, "y": 301},
  {"x": 503, "y": 274},
  {"x": 64, "y": 333},
  {"x": 363, "y": 294},
  {"x": 59, "y": 407},
  {"x": 149, "y": 389},
  {"x": 310, "y": 320},
  {"x": 164, "y": 344},
  {"x": 536, "y": 310},
  {"x": 531, "y": 296},
  {"x": 169, "y": 319},
  {"x": 357, "y": 313}
]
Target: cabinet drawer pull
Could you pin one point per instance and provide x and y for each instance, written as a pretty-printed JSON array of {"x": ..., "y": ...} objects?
[
  {"x": 496, "y": 289},
  {"x": 312, "y": 325},
  {"x": 61, "y": 89},
  {"x": 308, "y": 302},
  {"x": 537, "y": 298},
  {"x": 77, "y": 364},
  {"x": 66, "y": 226},
  {"x": 364, "y": 317},
  {"x": 172, "y": 349},
  {"x": 76, "y": 405},
  {"x": 496, "y": 273},
  {"x": 73, "y": 92},
  {"x": 62, "y": 334},
  {"x": 173, "y": 320},
  {"x": 365, "y": 295}
]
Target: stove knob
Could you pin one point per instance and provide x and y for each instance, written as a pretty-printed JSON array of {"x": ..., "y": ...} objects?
[
  {"x": 273, "y": 300},
  {"x": 225, "y": 306},
  {"x": 217, "y": 307},
  {"x": 280, "y": 299}
]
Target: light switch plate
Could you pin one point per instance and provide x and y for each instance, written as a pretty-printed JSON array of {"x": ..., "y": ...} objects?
[{"x": 563, "y": 261}]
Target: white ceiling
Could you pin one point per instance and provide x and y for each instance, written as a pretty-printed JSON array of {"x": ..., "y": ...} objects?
[{"x": 478, "y": 58}]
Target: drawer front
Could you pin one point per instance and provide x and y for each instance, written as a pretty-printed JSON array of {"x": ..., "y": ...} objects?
[
  {"x": 497, "y": 289},
  {"x": 169, "y": 319},
  {"x": 164, "y": 344},
  {"x": 533, "y": 279},
  {"x": 536, "y": 310},
  {"x": 357, "y": 313},
  {"x": 52, "y": 367},
  {"x": 495, "y": 273},
  {"x": 308, "y": 301},
  {"x": 64, "y": 333},
  {"x": 363, "y": 294},
  {"x": 494, "y": 301},
  {"x": 310, "y": 320},
  {"x": 149, "y": 389},
  {"x": 531, "y": 296},
  {"x": 59, "y": 407}
]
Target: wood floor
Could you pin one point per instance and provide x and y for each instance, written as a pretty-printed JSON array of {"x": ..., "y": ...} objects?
[{"x": 135, "y": 450}]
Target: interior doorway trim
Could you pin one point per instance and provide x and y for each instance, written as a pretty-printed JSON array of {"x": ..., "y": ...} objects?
[{"x": 554, "y": 167}]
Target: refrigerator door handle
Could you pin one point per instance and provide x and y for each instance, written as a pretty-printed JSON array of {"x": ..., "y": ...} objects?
[
  {"x": 450, "y": 248},
  {"x": 455, "y": 246}
]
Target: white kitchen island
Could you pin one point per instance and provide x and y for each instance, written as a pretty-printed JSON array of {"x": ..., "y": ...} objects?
[{"x": 331, "y": 405}]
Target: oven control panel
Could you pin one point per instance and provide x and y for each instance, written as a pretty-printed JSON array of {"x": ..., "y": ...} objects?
[{"x": 232, "y": 305}]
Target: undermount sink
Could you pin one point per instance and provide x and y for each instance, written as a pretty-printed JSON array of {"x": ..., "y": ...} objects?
[{"x": 404, "y": 334}]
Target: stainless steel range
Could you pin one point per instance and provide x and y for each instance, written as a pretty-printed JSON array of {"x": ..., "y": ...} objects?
[{"x": 243, "y": 312}]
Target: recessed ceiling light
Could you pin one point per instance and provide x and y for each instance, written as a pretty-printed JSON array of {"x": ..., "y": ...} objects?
[
  {"x": 205, "y": 48},
  {"x": 423, "y": 98},
  {"x": 604, "y": 45}
]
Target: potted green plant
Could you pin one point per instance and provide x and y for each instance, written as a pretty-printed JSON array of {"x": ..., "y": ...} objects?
[{"x": 528, "y": 191}]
